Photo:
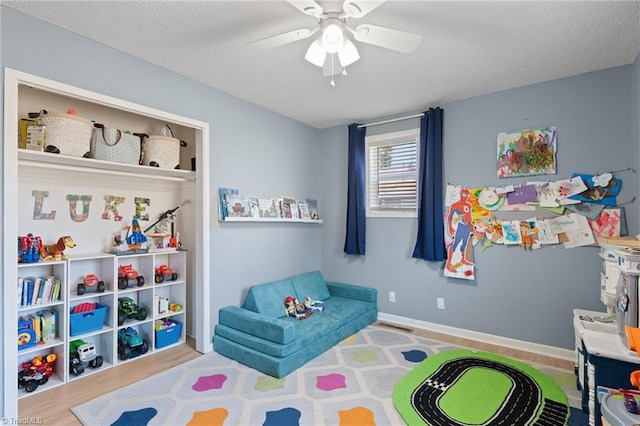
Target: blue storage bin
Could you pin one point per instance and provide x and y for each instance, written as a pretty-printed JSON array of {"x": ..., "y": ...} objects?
[
  {"x": 86, "y": 322},
  {"x": 169, "y": 335}
]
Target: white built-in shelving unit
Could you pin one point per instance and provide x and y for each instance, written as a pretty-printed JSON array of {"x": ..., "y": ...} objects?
[{"x": 25, "y": 93}]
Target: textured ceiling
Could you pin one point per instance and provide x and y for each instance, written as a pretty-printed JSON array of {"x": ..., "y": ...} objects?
[{"x": 469, "y": 48}]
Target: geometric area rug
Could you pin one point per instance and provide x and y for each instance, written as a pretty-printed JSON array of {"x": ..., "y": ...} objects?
[
  {"x": 466, "y": 387},
  {"x": 351, "y": 384}
]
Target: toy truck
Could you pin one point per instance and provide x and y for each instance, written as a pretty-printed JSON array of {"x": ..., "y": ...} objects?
[
  {"x": 165, "y": 273},
  {"x": 129, "y": 277},
  {"x": 36, "y": 372},
  {"x": 131, "y": 344},
  {"x": 90, "y": 283},
  {"x": 127, "y": 309},
  {"x": 83, "y": 355}
]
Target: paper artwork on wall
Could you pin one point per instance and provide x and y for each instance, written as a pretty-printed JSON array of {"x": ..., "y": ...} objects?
[
  {"x": 458, "y": 229},
  {"x": 583, "y": 236},
  {"x": 607, "y": 224},
  {"x": 527, "y": 152},
  {"x": 545, "y": 234},
  {"x": 566, "y": 188},
  {"x": 511, "y": 232},
  {"x": 489, "y": 199},
  {"x": 522, "y": 195},
  {"x": 470, "y": 221},
  {"x": 600, "y": 189},
  {"x": 589, "y": 210}
]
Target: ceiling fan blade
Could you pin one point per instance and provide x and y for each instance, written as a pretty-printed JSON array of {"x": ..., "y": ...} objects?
[
  {"x": 357, "y": 9},
  {"x": 389, "y": 38},
  {"x": 308, "y": 7},
  {"x": 281, "y": 39}
]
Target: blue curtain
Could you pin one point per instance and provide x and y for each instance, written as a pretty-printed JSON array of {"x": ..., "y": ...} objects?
[
  {"x": 356, "y": 214},
  {"x": 430, "y": 239}
]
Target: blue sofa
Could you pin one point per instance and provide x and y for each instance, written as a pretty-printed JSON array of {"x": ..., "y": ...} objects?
[{"x": 261, "y": 336}]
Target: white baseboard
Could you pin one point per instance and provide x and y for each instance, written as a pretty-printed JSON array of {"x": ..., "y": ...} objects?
[{"x": 552, "y": 351}]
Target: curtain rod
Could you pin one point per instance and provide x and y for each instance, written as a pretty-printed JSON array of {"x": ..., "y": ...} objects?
[{"x": 393, "y": 120}]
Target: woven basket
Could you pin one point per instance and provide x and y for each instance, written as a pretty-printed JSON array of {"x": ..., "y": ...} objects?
[
  {"x": 67, "y": 134},
  {"x": 162, "y": 152}
]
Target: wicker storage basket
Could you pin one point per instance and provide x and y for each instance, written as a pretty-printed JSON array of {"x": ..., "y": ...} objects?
[
  {"x": 162, "y": 152},
  {"x": 67, "y": 134}
]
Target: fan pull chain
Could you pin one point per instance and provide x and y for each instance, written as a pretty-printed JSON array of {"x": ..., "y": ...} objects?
[{"x": 333, "y": 83}]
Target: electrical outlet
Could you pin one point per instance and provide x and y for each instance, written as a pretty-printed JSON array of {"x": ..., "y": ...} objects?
[
  {"x": 392, "y": 296},
  {"x": 440, "y": 302}
]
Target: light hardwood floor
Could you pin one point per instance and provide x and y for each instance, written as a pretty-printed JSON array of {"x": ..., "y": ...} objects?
[{"x": 53, "y": 406}]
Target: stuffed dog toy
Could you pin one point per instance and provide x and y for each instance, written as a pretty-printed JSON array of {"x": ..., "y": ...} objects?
[{"x": 56, "y": 251}]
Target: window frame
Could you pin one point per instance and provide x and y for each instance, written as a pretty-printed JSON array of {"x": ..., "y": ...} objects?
[{"x": 389, "y": 139}]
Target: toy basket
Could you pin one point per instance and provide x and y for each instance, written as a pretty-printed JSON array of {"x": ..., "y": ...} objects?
[
  {"x": 162, "y": 151},
  {"x": 114, "y": 145},
  {"x": 67, "y": 133}
]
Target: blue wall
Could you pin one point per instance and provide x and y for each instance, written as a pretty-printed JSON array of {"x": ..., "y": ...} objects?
[{"x": 525, "y": 295}]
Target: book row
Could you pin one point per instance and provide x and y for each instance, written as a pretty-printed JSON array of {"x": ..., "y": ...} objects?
[
  {"x": 37, "y": 328},
  {"x": 232, "y": 204},
  {"x": 38, "y": 290}
]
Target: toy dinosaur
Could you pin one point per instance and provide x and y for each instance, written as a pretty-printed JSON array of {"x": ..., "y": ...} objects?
[{"x": 56, "y": 251}]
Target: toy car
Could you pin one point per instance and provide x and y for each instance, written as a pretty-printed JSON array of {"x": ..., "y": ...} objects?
[
  {"x": 630, "y": 403},
  {"x": 165, "y": 273},
  {"x": 127, "y": 308},
  {"x": 83, "y": 354},
  {"x": 129, "y": 277},
  {"x": 36, "y": 372},
  {"x": 131, "y": 344},
  {"x": 90, "y": 283}
]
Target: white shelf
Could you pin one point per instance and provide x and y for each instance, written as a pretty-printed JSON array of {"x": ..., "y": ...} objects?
[
  {"x": 253, "y": 219},
  {"x": 40, "y": 160}
]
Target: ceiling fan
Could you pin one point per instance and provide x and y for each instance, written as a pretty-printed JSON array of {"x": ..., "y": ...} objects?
[{"x": 333, "y": 49}]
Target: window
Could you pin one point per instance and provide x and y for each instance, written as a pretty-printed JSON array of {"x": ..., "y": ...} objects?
[{"x": 392, "y": 174}]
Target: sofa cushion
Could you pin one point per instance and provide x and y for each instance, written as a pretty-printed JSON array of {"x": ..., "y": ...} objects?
[
  {"x": 268, "y": 299},
  {"x": 311, "y": 285}
]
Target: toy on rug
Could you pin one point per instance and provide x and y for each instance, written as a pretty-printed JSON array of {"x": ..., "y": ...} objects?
[
  {"x": 313, "y": 305},
  {"x": 296, "y": 309}
]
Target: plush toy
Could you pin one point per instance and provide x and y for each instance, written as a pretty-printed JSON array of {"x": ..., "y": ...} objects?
[
  {"x": 296, "y": 309},
  {"x": 313, "y": 305}
]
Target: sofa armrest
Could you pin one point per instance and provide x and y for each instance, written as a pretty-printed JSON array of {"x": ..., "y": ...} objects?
[
  {"x": 273, "y": 329},
  {"x": 352, "y": 291}
]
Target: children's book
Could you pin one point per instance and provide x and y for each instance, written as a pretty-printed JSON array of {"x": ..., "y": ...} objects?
[
  {"x": 303, "y": 207},
  {"x": 223, "y": 193},
  {"x": 267, "y": 207},
  {"x": 238, "y": 206},
  {"x": 295, "y": 211},
  {"x": 277, "y": 206},
  {"x": 287, "y": 210},
  {"x": 313, "y": 208},
  {"x": 254, "y": 209}
]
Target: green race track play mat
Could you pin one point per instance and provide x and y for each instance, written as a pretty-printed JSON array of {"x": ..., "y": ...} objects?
[{"x": 464, "y": 387}]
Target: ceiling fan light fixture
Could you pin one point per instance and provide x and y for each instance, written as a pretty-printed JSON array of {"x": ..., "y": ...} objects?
[
  {"x": 316, "y": 54},
  {"x": 348, "y": 54},
  {"x": 332, "y": 38}
]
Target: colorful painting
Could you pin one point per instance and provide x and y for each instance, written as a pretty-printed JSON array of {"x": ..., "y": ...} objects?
[{"x": 527, "y": 153}]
